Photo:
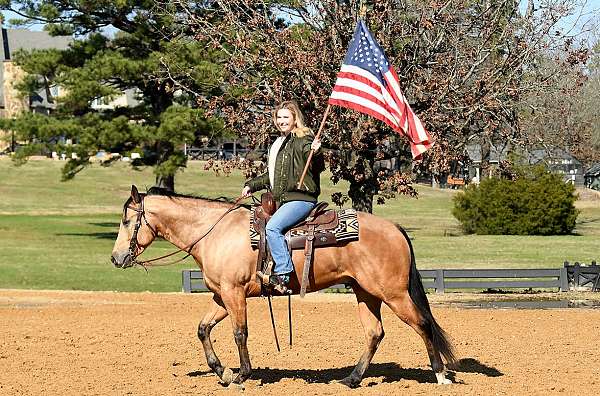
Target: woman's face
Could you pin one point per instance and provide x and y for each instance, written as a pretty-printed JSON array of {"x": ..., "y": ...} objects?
[{"x": 285, "y": 120}]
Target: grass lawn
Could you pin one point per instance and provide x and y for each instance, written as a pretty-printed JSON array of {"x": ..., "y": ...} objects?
[{"x": 59, "y": 235}]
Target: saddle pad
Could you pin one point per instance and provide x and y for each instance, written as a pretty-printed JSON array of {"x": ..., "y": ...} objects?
[{"x": 346, "y": 231}]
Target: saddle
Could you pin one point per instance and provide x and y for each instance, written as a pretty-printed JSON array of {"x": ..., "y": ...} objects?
[{"x": 317, "y": 230}]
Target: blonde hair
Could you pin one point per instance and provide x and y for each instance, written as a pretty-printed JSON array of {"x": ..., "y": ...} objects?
[{"x": 293, "y": 107}]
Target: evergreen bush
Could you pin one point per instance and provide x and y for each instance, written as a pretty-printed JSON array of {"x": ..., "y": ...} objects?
[{"x": 537, "y": 202}]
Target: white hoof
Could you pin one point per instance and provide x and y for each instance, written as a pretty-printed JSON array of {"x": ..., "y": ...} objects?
[
  {"x": 227, "y": 377},
  {"x": 238, "y": 387},
  {"x": 441, "y": 379}
]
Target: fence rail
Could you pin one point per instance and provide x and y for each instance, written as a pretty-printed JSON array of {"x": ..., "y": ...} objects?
[
  {"x": 443, "y": 279},
  {"x": 583, "y": 276},
  {"x": 203, "y": 153}
]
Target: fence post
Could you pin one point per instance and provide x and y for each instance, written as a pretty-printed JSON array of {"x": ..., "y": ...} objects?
[
  {"x": 564, "y": 280},
  {"x": 186, "y": 281},
  {"x": 440, "y": 287},
  {"x": 576, "y": 271}
]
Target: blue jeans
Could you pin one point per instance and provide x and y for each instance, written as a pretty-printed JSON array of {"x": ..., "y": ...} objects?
[{"x": 289, "y": 214}]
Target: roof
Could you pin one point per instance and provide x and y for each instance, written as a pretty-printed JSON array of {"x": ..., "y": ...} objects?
[
  {"x": 500, "y": 153},
  {"x": 496, "y": 154},
  {"x": 550, "y": 155},
  {"x": 22, "y": 39},
  {"x": 594, "y": 170}
]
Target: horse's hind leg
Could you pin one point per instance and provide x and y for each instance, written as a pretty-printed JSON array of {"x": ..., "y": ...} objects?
[
  {"x": 216, "y": 314},
  {"x": 369, "y": 311},
  {"x": 406, "y": 310}
]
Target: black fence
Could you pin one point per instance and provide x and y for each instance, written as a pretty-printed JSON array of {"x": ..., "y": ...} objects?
[
  {"x": 543, "y": 278},
  {"x": 203, "y": 153},
  {"x": 443, "y": 279},
  {"x": 583, "y": 276}
]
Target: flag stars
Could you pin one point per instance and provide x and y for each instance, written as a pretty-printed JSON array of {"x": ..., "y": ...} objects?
[{"x": 367, "y": 54}]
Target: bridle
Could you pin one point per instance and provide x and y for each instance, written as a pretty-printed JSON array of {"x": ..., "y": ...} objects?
[{"x": 134, "y": 243}]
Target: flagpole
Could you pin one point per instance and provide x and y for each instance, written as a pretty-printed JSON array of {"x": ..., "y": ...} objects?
[{"x": 310, "y": 155}]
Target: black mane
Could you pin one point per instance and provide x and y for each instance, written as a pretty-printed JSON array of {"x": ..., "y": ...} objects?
[{"x": 168, "y": 193}]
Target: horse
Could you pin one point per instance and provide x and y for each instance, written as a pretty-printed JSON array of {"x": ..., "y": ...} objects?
[{"x": 380, "y": 267}]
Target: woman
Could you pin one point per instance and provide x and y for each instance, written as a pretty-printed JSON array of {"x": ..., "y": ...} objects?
[{"x": 286, "y": 161}]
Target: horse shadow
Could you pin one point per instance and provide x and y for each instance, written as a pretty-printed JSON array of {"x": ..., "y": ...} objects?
[
  {"x": 470, "y": 365},
  {"x": 98, "y": 235},
  {"x": 106, "y": 224},
  {"x": 391, "y": 372}
]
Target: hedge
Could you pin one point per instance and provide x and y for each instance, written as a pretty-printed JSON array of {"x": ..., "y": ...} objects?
[{"x": 536, "y": 203}]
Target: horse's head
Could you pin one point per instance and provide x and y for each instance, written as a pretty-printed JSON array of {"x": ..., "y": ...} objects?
[{"x": 135, "y": 233}]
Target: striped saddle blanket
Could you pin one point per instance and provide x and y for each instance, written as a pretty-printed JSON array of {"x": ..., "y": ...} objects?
[{"x": 342, "y": 229}]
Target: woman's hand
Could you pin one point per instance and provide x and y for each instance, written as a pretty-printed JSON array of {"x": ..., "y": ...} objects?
[
  {"x": 246, "y": 192},
  {"x": 316, "y": 144}
]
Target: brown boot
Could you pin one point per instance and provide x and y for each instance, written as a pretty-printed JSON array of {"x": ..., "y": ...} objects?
[{"x": 276, "y": 282}]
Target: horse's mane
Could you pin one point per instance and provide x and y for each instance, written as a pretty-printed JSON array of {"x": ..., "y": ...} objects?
[{"x": 168, "y": 193}]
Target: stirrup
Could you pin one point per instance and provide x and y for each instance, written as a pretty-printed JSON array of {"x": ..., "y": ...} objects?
[
  {"x": 274, "y": 282},
  {"x": 279, "y": 285},
  {"x": 262, "y": 277}
]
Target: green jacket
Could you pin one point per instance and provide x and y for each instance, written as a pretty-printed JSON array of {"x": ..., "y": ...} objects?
[{"x": 289, "y": 164}]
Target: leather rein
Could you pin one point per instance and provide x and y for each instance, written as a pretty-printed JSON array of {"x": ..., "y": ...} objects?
[{"x": 134, "y": 244}]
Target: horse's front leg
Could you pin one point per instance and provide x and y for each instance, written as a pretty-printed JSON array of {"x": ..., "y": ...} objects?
[
  {"x": 216, "y": 314},
  {"x": 235, "y": 302}
]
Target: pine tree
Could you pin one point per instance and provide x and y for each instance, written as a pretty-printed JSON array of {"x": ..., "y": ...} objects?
[{"x": 118, "y": 46}]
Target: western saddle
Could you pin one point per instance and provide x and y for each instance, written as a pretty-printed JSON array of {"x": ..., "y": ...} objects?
[{"x": 317, "y": 230}]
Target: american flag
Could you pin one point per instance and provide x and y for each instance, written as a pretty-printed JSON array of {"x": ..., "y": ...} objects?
[{"x": 368, "y": 83}]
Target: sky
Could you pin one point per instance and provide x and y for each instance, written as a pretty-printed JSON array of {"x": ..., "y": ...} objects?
[{"x": 586, "y": 19}]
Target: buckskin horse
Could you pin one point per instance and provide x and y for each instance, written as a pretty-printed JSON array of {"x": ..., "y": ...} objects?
[{"x": 380, "y": 266}]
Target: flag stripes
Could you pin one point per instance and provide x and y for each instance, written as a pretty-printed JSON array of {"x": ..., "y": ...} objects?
[{"x": 369, "y": 84}]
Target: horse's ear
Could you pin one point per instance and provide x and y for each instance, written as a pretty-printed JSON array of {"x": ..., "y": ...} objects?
[{"x": 135, "y": 195}]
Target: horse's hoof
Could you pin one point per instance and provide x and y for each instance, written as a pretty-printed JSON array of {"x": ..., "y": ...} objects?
[
  {"x": 349, "y": 382},
  {"x": 441, "y": 379},
  {"x": 227, "y": 376},
  {"x": 234, "y": 386}
]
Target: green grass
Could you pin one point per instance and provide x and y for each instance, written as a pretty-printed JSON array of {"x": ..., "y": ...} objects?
[{"x": 59, "y": 235}]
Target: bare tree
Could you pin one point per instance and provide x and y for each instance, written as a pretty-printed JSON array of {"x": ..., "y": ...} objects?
[{"x": 464, "y": 67}]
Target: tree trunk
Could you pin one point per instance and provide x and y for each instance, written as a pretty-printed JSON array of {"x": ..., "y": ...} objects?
[
  {"x": 160, "y": 101},
  {"x": 486, "y": 150},
  {"x": 362, "y": 195},
  {"x": 167, "y": 182}
]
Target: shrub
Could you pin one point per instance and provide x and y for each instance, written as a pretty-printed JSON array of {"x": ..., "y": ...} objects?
[{"x": 536, "y": 203}]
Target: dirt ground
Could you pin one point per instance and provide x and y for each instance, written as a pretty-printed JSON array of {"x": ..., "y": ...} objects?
[{"x": 102, "y": 343}]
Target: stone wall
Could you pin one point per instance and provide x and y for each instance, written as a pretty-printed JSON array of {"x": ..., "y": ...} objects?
[{"x": 13, "y": 103}]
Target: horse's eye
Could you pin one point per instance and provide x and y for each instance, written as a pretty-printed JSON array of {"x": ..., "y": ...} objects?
[{"x": 125, "y": 223}]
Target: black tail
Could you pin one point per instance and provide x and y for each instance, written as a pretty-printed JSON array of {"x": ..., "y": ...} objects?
[{"x": 438, "y": 336}]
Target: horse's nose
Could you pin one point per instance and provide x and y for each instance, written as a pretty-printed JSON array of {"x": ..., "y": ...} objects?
[
  {"x": 114, "y": 261},
  {"x": 121, "y": 260}
]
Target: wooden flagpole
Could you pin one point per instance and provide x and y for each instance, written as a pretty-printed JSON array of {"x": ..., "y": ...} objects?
[
  {"x": 362, "y": 11},
  {"x": 310, "y": 155}
]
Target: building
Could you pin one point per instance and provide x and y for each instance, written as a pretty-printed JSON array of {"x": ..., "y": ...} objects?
[
  {"x": 11, "y": 103},
  {"x": 559, "y": 161},
  {"x": 592, "y": 177},
  {"x": 473, "y": 166},
  {"x": 129, "y": 98},
  {"x": 555, "y": 159}
]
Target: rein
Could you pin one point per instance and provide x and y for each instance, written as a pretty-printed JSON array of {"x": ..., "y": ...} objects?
[{"x": 133, "y": 244}]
